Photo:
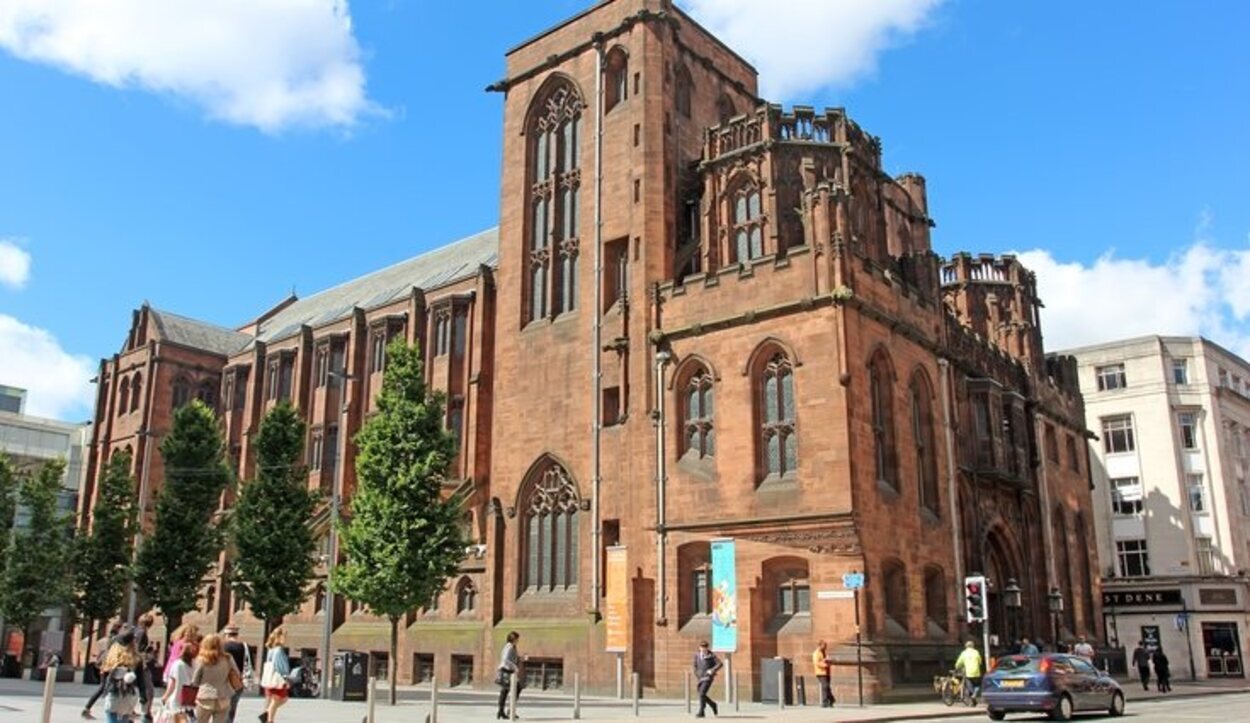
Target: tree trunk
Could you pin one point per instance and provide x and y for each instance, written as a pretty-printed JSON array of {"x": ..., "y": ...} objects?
[
  {"x": 88, "y": 656},
  {"x": 392, "y": 669}
]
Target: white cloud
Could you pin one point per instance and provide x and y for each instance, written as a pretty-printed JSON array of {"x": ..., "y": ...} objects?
[
  {"x": 14, "y": 264},
  {"x": 1200, "y": 290},
  {"x": 800, "y": 46},
  {"x": 57, "y": 383},
  {"x": 271, "y": 64}
]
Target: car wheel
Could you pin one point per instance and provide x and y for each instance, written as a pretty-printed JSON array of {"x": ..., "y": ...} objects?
[
  {"x": 1117, "y": 704},
  {"x": 1063, "y": 708},
  {"x": 996, "y": 714}
]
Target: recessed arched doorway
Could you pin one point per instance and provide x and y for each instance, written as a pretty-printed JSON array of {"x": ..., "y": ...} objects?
[{"x": 1004, "y": 564}]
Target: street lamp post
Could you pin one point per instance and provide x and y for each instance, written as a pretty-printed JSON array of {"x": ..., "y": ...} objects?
[
  {"x": 1055, "y": 602},
  {"x": 336, "y": 491},
  {"x": 1011, "y": 600}
]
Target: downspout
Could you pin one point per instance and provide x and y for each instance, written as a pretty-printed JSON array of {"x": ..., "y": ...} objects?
[
  {"x": 1048, "y": 534},
  {"x": 661, "y": 482},
  {"x": 596, "y": 532},
  {"x": 952, "y": 491}
]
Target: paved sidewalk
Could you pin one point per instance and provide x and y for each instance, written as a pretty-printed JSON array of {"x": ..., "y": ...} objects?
[{"x": 21, "y": 701}]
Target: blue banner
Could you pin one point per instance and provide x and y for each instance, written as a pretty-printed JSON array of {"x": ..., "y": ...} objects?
[{"x": 724, "y": 597}]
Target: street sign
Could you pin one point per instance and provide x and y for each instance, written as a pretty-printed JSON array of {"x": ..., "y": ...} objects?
[
  {"x": 853, "y": 580},
  {"x": 835, "y": 594}
]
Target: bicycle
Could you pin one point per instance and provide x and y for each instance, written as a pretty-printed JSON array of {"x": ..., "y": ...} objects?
[{"x": 954, "y": 687}]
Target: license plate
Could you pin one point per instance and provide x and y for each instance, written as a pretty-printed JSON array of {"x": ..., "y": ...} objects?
[{"x": 1013, "y": 683}]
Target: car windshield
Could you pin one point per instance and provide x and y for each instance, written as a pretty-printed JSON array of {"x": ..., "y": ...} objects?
[{"x": 1018, "y": 664}]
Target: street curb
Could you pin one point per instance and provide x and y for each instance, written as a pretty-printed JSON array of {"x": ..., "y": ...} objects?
[{"x": 958, "y": 713}]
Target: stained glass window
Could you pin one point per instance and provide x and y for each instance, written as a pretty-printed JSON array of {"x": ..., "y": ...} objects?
[{"x": 778, "y": 431}]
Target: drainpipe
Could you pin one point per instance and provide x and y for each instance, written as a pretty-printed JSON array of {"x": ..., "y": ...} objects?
[
  {"x": 661, "y": 482},
  {"x": 952, "y": 489},
  {"x": 596, "y": 350}
]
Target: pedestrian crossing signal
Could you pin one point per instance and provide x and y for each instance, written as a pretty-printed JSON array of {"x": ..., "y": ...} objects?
[{"x": 974, "y": 599}]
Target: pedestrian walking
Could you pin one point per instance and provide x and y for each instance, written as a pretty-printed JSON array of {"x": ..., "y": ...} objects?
[
  {"x": 215, "y": 677},
  {"x": 509, "y": 666},
  {"x": 177, "y": 641},
  {"x": 147, "y": 650},
  {"x": 120, "y": 680},
  {"x": 1163, "y": 671},
  {"x": 969, "y": 661},
  {"x": 1141, "y": 659},
  {"x": 180, "y": 692},
  {"x": 102, "y": 650},
  {"x": 706, "y": 666},
  {"x": 275, "y": 675},
  {"x": 242, "y": 656},
  {"x": 1084, "y": 650},
  {"x": 1028, "y": 648},
  {"x": 820, "y": 664}
]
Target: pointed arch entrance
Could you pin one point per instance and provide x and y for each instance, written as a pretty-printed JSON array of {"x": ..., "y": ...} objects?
[{"x": 1003, "y": 563}]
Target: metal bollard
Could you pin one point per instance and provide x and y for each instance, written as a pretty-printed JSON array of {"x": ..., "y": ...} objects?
[
  {"x": 434, "y": 700},
  {"x": 687, "y": 681},
  {"x": 373, "y": 698},
  {"x": 577, "y": 696},
  {"x": 512, "y": 692},
  {"x": 49, "y": 684},
  {"x": 781, "y": 689},
  {"x": 735, "y": 689},
  {"x": 636, "y": 684}
]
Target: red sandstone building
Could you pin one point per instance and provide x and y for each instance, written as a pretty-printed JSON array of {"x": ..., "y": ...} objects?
[{"x": 700, "y": 316}]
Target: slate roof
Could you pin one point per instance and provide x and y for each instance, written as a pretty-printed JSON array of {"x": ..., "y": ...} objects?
[
  {"x": 456, "y": 261},
  {"x": 198, "y": 334}
]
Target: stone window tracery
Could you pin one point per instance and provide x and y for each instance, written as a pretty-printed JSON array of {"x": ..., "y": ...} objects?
[
  {"x": 697, "y": 413},
  {"x": 925, "y": 444},
  {"x": 182, "y": 392},
  {"x": 747, "y": 223},
  {"x": 123, "y": 402},
  {"x": 466, "y": 596},
  {"x": 894, "y": 582},
  {"x": 881, "y": 393},
  {"x": 550, "y": 532},
  {"x": 555, "y": 177},
  {"x": 778, "y": 429},
  {"x": 136, "y": 391},
  {"x": 616, "y": 86},
  {"x": 683, "y": 86}
]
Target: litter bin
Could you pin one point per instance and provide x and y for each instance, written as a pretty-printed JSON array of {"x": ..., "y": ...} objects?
[
  {"x": 349, "y": 678},
  {"x": 768, "y": 680},
  {"x": 11, "y": 666}
]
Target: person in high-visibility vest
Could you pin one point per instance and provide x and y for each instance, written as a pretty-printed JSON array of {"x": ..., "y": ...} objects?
[
  {"x": 820, "y": 666},
  {"x": 969, "y": 661}
]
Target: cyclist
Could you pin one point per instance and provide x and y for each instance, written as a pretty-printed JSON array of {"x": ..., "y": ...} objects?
[{"x": 969, "y": 663}]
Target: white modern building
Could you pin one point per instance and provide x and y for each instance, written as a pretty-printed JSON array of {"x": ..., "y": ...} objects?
[
  {"x": 1169, "y": 467},
  {"x": 28, "y": 442}
]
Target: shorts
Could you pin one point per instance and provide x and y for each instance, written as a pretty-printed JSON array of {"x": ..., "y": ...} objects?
[{"x": 279, "y": 693}]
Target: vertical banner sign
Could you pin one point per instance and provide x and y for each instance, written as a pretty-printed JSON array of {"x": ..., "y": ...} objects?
[
  {"x": 616, "y": 608},
  {"x": 724, "y": 597}
]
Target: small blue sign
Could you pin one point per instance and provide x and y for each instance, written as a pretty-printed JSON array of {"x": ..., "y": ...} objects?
[{"x": 853, "y": 580}]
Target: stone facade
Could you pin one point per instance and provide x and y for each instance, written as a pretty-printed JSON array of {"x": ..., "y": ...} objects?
[{"x": 715, "y": 318}]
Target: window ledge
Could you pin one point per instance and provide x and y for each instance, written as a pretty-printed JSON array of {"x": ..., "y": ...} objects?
[
  {"x": 888, "y": 490},
  {"x": 796, "y": 624},
  {"x": 702, "y": 468},
  {"x": 697, "y": 625},
  {"x": 929, "y": 517},
  {"x": 774, "y": 483}
]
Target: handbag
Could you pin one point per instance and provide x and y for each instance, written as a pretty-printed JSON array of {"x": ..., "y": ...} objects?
[
  {"x": 503, "y": 678},
  {"x": 249, "y": 673},
  {"x": 234, "y": 679},
  {"x": 270, "y": 677},
  {"x": 186, "y": 697}
]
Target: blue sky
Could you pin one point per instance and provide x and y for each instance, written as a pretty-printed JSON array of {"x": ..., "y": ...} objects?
[{"x": 1105, "y": 140}]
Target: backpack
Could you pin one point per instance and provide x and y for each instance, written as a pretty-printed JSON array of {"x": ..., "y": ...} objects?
[{"x": 122, "y": 691}]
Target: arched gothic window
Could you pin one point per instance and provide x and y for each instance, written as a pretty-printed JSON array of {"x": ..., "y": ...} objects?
[
  {"x": 554, "y": 171},
  {"x": 881, "y": 396},
  {"x": 207, "y": 393},
  {"x": 136, "y": 391},
  {"x": 747, "y": 223},
  {"x": 683, "y": 86},
  {"x": 549, "y": 514},
  {"x": 894, "y": 584},
  {"x": 923, "y": 439},
  {"x": 182, "y": 392},
  {"x": 698, "y": 408},
  {"x": 616, "y": 84},
  {"x": 466, "y": 596},
  {"x": 1063, "y": 564},
  {"x": 935, "y": 597},
  {"x": 779, "y": 438},
  {"x": 1087, "y": 583},
  {"x": 725, "y": 109},
  {"x": 123, "y": 398}
]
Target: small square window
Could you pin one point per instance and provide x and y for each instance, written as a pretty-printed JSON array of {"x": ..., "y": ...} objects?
[
  {"x": 1180, "y": 371},
  {"x": 1111, "y": 377}
]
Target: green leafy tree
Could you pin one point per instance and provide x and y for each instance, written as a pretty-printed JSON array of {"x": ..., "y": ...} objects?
[
  {"x": 187, "y": 534},
  {"x": 274, "y": 545},
  {"x": 401, "y": 538},
  {"x": 102, "y": 551},
  {"x": 8, "y": 503},
  {"x": 36, "y": 572}
]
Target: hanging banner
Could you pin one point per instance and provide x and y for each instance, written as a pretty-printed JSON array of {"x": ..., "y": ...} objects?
[
  {"x": 616, "y": 603},
  {"x": 724, "y": 597}
]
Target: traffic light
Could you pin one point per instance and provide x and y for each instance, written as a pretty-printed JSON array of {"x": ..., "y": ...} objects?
[{"x": 974, "y": 598}]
